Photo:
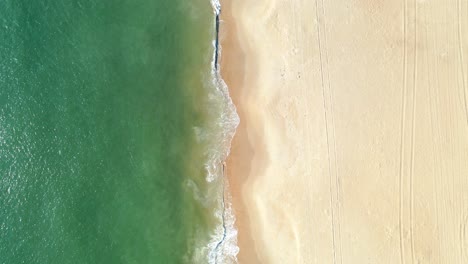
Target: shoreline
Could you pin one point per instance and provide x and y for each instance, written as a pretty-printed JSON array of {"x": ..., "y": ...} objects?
[
  {"x": 234, "y": 74},
  {"x": 223, "y": 243}
]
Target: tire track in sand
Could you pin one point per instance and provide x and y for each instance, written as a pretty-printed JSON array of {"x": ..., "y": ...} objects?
[
  {"x": 464, "y": 220},
  {"x": 336, "y": 231},
  {"x": 436, "y": 134},
  {"x": 333, "y": 128},
  {"x": 402, "y": 129},
  {"x": 460, "y": 54},
  {"x": 413, "y": 131},
  {"x": 463, "y": 238}
]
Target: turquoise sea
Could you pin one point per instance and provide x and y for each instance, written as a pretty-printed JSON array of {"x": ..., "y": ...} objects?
[{"x": 113, "y": 128}]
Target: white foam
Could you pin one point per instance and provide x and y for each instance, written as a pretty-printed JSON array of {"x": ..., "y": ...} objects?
[
  {"x": 222, "y": 247},
  {"x": 216, "y": 6}
]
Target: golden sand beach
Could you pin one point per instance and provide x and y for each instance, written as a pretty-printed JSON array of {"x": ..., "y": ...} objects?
[{"x": 353, "y": 141}]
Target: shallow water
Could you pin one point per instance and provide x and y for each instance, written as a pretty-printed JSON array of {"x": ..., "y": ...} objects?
[{"x": 107, "y": 124}]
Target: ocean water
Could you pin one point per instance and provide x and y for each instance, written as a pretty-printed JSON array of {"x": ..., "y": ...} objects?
[{"x": 113, "y": 129}]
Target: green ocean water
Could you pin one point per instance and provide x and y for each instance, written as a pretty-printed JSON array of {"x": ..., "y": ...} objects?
[{"x": 101, "y": 108}]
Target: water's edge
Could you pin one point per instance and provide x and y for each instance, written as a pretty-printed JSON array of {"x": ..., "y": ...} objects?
[{"x": 223, "y": 245}]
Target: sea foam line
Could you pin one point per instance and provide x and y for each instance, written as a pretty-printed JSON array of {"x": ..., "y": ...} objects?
[{"x": 223, "y": 244}]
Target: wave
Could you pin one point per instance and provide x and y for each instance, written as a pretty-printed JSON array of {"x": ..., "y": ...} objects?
[{"x": 222, "y": 247}]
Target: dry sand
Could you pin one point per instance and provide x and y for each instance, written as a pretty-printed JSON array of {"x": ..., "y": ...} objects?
[{"x": 353, "y": 142}]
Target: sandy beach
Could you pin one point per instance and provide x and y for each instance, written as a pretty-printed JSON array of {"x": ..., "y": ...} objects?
[{"x": 353, "y": 140}]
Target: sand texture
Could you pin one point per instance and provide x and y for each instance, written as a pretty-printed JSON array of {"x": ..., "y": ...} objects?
[{"x": 353, "y": 141}]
